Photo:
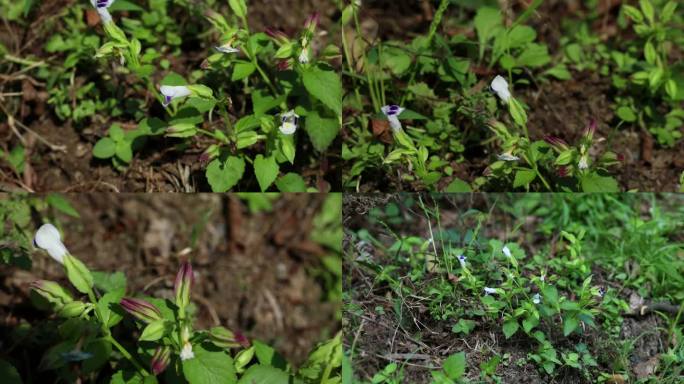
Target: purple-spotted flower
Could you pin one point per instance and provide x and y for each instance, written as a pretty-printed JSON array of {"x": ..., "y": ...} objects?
[
  {"x": 536, "y": 298},
  {"x": 500, "y": 87},
  {"x": 462, "y": 259},
  {"x": 141, "y": 309},
  {"x": 160, "y": 359},
  {"x": 289, "y": 122},
  {"x": 171, "y": 92},
  {"x": 101, "y": 7},
  {"x": 507, "y": 156},
  {"x": 183, "y": 284},
  {"x": 602, "y": 291},
  {"x": 48, "y": 238},
  {"x": 392, "y": 113},
  {"x": 489, "y": 291}
]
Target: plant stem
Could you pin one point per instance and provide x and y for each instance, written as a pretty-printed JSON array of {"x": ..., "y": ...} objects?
[{"x": 127, "y": 355}]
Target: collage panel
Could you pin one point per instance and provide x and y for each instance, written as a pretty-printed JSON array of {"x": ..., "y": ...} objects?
[
  {"x": 170, "y": 96},
  {"x": 170, "y": 288},
  {"x": 514, "y": 288},
  {"x": 503, "y": 96}
]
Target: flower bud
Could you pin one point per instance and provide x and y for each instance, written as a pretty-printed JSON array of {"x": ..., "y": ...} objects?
[
  {"x": 48, "y": 238},
  {"x": 160, "y": 359},
  {"x": 556, "y": 142},
  {"x": 52, "y": 292},
  {"x": 73, "y": 309},
  {"x": 312, "y": 21},
  {"x": 590, "y": 129},
  {"x": 141, "y": 309},
  {"x": 277, "y": 35},
  {"x": 224, "y": 338},
  {"x": 183, "y": 284},
  {"x": 500, "y": 86}
]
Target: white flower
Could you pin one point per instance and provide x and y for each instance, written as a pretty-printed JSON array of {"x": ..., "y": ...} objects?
[
  {"x": 500, "y": 86},
  {"x": 101, "y": 7},
  {"x": 506, "y": 156},
  {"x": 489, "y": 290},
  {"x": 542, "y": 278},
  {"x": 289, "y": 121},
  {"x": 392, "y": 112},
  {"x": 304, "y": 56},
  {"x": 583, "y": 162},
  {"x": 462, "y": 259},
  {"x": 171, "y": 92},
  {"x": 536, "y": 298},
  {"x": 507, "y": 251},
  {"x": 227, "y": 48},
  {"x": 186, "y": 352},
  {"x": 48, "y": 238}
]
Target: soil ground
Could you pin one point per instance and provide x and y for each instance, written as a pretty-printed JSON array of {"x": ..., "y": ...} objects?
[{"x": 251, "y": 269}]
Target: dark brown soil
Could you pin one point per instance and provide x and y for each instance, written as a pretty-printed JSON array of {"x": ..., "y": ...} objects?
[{"x": 253, "y": 270}]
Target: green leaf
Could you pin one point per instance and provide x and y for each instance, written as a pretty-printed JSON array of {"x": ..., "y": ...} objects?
[
  {"x": 109, "y": 281},
  {"x": 153, "y": 331},
  {"x": 78, "y": 274},
  {"x": 8, "y": 373},
  {"x": 510, "y": 328},
  {"x": 454, "y": 366},
  {"x": 524, "y": 177},
  {"x": 633, "y": 13},
  {"x": 242, "y": 69},
  {"x": 287, "y": 147},
  {"x": 517, "y": 112},
  {"x": 116, "y": 133},
  {"x": 322, "y": 130},
  {"x": 124, "y": 151},
  {"x": 264, "y": 374},
  {"x": 550, "y": 295},
  {"x": 487, "y": 22},
  {"x": 291, "y": 182},
  {"x": 209, "y": 366},
  {"x": 626, "y": 114},
  {"x": 104, "y": 305},
  {"x": 458, "y": 186},
  {"x": 560, "y": 72},
  {"x": 530, "y": 323},
  {"x": 569, "y": 325},
  {"x": 61, "y": 204},
  {"x": 100, "y": 350},
  {"x": 647, "y": 9},
  {"x": 266, "y": 171},
  {"x": 104, "y": 148},
  {"x": 324, "y": 86},
  {"x": 223, "y": 176},
  {"x": 239, "y": 7},
  {"x": 595, "y": 183},
  {"x": 128, "y": 377}
]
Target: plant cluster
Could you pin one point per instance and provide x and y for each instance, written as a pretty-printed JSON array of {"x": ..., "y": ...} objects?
[{"x": 167, "y": 345}]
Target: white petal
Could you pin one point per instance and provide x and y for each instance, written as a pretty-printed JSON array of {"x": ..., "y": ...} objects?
[
  {"x": 304, "y": 56},
  {"x": 500, "y": 86},
  {"x": 48, "y": 238},
  {"x": 174, "y": 91},
  {"x": 506, "y": 251},
  {"x": 583, "y": 163},
  {"x": 227, "y": 49},
  {"x": 288, "y": 128},
  {"x": 394, "y": 123},
  {"x": 490, "y": 290},
  {"x": 186, "y": 352},
  {"x": 104, "y": 15},
  {"x": 508, "y": 157}
]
